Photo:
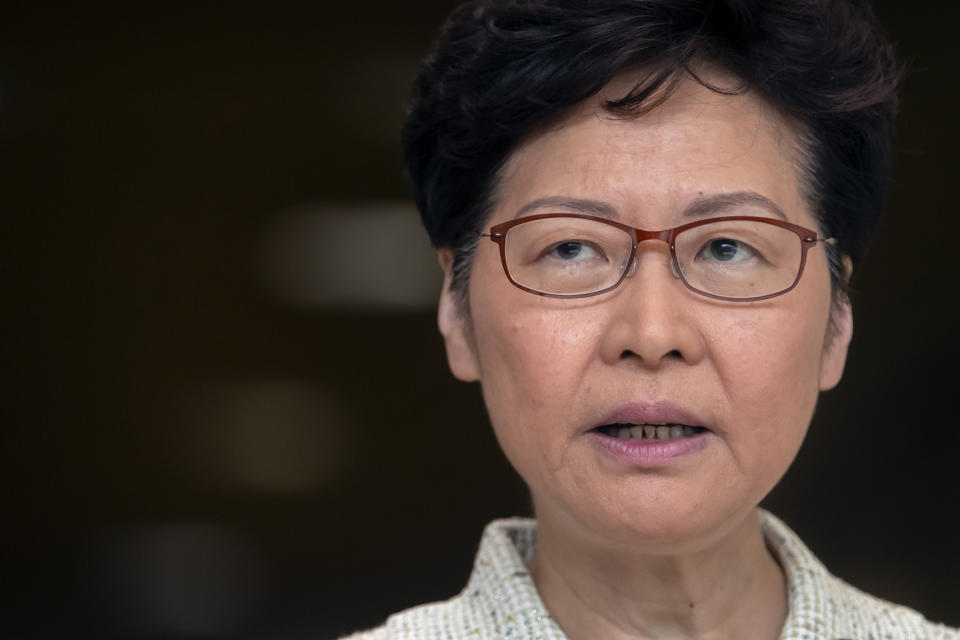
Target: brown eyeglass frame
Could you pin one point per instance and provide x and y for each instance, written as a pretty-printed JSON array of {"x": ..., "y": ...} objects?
[{"x": 808, "y": 238}]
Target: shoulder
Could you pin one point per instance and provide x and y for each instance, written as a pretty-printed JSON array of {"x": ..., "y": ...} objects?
[
  {"x": 449, "y": 619},
  {"x": 823, "y": 605},
  {"x": 862, "y": 613}
]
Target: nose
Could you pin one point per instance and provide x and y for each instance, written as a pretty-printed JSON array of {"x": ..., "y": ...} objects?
[{"x": 653, "y": 317}]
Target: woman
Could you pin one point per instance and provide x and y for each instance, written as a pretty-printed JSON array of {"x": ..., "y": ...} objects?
[{"x": 647, "y": 214}]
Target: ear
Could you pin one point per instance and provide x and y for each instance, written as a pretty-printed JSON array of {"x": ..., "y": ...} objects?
[
  {"x": 838, "y": 341},
  {"x": 461, "y": 354}
]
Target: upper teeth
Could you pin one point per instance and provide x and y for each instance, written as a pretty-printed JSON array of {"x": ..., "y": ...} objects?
[{"x": 653, "y": 432}]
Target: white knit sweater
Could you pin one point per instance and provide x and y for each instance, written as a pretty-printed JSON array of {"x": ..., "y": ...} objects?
[{"x": 501, "y": 602}]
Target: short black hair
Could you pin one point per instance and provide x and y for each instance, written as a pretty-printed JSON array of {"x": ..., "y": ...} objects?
[{"x": 501, "y": 69}]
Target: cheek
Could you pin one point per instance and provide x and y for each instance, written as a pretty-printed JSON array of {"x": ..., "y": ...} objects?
[
  {"x": 534, "y": 355},
  {"x": 769, "y": 371},
  {"x": 760, "y": 359},
  {"x": 533, "y": 360}
]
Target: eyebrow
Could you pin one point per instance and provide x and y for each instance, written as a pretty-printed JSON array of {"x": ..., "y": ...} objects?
[
  {"x": 700, "y": 207},
  {"x": 720, "y": 201},
  {"x": 582, "y": 205}
]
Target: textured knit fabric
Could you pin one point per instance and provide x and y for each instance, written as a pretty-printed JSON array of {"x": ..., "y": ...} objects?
[{"x": 501, "y": 601}]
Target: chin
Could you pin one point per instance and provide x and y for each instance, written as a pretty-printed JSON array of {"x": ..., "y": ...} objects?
[{"x": 651, "y": 520}]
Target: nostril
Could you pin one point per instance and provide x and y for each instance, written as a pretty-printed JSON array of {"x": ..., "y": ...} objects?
[{"x": 627, "y": 353}]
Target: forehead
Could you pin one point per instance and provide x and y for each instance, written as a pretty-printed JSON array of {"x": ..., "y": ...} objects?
[{"x": 697, "y": 142}]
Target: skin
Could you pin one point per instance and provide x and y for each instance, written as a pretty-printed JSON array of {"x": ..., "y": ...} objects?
[{"x": 677, "y": 551}]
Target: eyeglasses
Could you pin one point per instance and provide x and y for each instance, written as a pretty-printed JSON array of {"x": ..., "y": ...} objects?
[{"x": 736, "y": 258}]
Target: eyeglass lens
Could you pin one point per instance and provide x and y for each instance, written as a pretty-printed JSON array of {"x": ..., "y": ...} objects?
[{"x": 729, "y": 258}]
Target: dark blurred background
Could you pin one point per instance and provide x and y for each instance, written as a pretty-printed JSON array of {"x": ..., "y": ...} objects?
[{"x": 228, "y": 413}]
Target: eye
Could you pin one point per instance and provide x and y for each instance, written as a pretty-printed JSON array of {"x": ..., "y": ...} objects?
[
  {"x": 726, "y": 250},
  {"x": 573, "y": 250}
]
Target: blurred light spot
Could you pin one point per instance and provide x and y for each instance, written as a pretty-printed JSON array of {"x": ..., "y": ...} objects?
[
  {"x": 368, "y": 256},
  {"x": 190, "y": 580},
  {"x": 270, "y": 436}
]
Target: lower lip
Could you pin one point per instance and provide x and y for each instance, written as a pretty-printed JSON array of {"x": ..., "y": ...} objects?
[{"x": 649, "y": 453}]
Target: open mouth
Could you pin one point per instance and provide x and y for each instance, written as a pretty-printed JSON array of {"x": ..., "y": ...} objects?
[{"x": 669, "y": 431}]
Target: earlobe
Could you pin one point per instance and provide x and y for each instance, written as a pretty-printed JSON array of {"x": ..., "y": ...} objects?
[
  {"x": 835, "y": 349},
  {"x": 461, "y": 355}
]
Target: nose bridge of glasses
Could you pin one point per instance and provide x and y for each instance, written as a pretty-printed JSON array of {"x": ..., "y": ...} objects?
[{"x": 641, "y": 236}]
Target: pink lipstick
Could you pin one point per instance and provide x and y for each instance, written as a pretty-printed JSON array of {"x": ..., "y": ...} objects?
[{"x": 650, "y": 434}]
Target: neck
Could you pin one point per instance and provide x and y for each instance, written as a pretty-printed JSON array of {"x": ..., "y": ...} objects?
[{"x": 732, "y": 589}]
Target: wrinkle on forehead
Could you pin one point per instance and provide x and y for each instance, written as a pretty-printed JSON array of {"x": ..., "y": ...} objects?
[{"x": 685, "y": 104}]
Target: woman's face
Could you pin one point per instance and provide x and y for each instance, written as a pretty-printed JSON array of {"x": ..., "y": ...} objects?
[{"x": 651, "y": 350}]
